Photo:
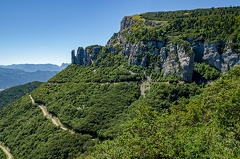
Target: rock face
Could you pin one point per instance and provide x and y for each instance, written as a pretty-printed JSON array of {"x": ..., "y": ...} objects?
[
  {"x": 86, "y": 56},
  {"x": 179, "y": 62},
  {"x": 176, "y": 60},
  {"x": 218, "y": 55},
  {"x": 126, "y": 22},
  {"x": 138, "y": 53},
  {"x": 172, "y": 58}
]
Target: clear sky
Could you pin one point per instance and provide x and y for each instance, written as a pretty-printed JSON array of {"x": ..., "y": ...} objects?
[{"x": 45, "y": 31}]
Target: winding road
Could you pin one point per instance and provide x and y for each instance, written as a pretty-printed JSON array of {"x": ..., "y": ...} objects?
[
  {"x": 55, "y": 120},
  {"x": 6, "y": 151}
]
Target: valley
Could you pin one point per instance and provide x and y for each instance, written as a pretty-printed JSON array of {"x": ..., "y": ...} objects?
[
  {"x": 13, "y": 75},
  {"x": 12, "y": 94}
]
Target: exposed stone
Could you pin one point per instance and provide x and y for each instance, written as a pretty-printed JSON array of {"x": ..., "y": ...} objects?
[
  {"x": 229, "y": 59},
  {"x": 80, "y": 56},
  {"x": 73, "y": 57},
  {"x": 126, "y": 22},
  {"x": 171, "y": 58},
  {"x": 213, "y": 54},
  {"x": 85, "y": 57},
  {"x": 179, "y": 62}
]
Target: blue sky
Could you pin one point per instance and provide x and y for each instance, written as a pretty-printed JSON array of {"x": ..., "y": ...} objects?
[{"x": 45, "y": 31}]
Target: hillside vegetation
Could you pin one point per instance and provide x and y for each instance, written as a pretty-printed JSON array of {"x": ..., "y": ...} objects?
[
  {"x": 2, "y": 155},
  {"x": 118, "y": 110},
  {"x": 173, "y": 120},
  {"x": 204, "y": 126},
  {"x": 214, "y": 25},
  {"x": 11, "y": 94}
]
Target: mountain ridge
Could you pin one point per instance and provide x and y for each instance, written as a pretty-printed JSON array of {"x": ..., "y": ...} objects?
[
  {"x": 148, "y": 40},
  {"x": 121, "y": 103},
  {"x": 36, "y": 67},
  {"x": 13, "y": 77}
]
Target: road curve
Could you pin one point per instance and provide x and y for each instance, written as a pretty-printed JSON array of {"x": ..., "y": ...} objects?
[
  {"x": 46, "y": 114},
  {"x": 6, "y": 151}
]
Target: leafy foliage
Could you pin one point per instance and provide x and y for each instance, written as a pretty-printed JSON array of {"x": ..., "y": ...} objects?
[
  {"x": 11, "y": 94},
  {"x": 76, "y": 74},
  {"x": 2, "y": 154},
  {"x": 102, "y": 103},
  {"x": 206, "y": 71},
  {"x": 88, "y": 107},
  {"x": 213, "y": 25},
  {"x": 29, "y": 135},
  {"x": 204, "y": 126}
]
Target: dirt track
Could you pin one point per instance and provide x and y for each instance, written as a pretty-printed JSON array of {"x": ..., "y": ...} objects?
[
  {"x": 49, "y": 116},
  {"x": 6, "y": 151}
]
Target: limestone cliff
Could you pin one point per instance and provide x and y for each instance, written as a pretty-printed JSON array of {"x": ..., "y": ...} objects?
[
  {"x": 86, "y": 56},
  {"x": 172, "y": 57}
]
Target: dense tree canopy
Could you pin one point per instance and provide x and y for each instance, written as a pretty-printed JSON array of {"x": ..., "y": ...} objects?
[
  {"x": 10, "y": 95},
  {"x": 213, "y": 25},
  {"x": 202, "y": 126},
  {"x": 116, "y": 110}
]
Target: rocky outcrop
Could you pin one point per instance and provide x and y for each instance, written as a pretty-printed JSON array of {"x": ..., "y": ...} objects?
[
  {"x": 229, "y": 59},
  {"x": 179, "y": 62},
  {"x": 176, "y": 60},
  {"x": 127, "y": 22},
  {"x": 219, "y": 55},
  {"x": 171, "y": 58},
  {"x": 86, "y": 56}
]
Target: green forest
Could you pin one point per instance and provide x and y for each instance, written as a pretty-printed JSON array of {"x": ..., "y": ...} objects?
[
  {"x": 119, "y": 111},
  {"x": 205, "y": 125},
  {"x": 213, "y": 25},
  {"x": 2, "y": 155},
  {"x": 11, "y": 94},
  {"x": 113, "y": 120}
]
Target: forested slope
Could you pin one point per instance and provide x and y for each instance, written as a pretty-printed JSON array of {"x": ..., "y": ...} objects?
[
  {"x": 215, "y": 25},
  {"x": 11, "y": 94},
  {"x": 135, "y": 102},
  {"x": 205, "y": 125},
  {"x": 173, "y": 120},
  {"x": 2, "y": 155}
]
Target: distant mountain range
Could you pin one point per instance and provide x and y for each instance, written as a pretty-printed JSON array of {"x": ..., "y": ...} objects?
[
  {"x": 36, "y": 67},
  {"x": 13, "y": 75}
]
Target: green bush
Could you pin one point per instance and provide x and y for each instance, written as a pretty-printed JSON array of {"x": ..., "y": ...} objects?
[{"x": 208, "y": 72}]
